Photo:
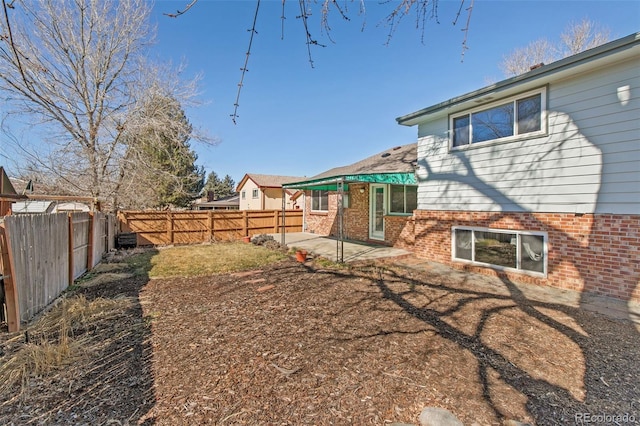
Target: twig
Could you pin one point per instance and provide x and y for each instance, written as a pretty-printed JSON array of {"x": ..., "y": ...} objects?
[
  {"x": 181, "y": 12},
  {"x": 466, "y": 30},
  {"x": 231, "y": 415},
  {"x": 244, "y": 69},
  {"x": 285, "y": 371}
]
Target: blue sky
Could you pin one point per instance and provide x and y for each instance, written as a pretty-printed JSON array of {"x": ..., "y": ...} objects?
[{"x": 300, "y": 121}]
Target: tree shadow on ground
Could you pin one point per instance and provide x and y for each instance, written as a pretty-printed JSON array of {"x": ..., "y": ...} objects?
[{"x": 603, "y": 348}]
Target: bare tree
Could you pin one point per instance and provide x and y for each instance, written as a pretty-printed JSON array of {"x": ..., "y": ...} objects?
[
  {"x": 522, "y": 59},
  {"x": 75, "y": 70},
  {"x": 576, "y": 38},
  {"x": 583, "y": 35}
]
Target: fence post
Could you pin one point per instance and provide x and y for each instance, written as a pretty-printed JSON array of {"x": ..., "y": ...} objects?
[
  {"x": 210, "y": 225},
  {"x": 170, "y": 227},
  {"x": 276, "y": 218},
  {"x": 245, "y": 223},
  {"x": 10, "y": 290},
  {"x": 91, "y": 241},
  {"x": 70, "y": 218}
]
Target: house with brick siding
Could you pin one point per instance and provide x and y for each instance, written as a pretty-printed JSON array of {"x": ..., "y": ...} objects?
[
  {"x": 264, "y": 192},
  {"x": 537, "y": 177},
  {"x": 371, "y": 200}
]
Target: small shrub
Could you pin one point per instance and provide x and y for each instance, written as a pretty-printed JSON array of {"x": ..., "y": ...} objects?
[{"x": 267, "y": 241}]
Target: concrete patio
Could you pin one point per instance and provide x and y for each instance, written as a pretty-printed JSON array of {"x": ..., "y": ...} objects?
[{"x": 329, "y": 247}]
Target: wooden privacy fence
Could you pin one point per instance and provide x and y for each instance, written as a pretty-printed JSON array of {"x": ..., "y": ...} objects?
[
  {"x": 42, "y": 254},
  {"x": 191, "y": 227}
]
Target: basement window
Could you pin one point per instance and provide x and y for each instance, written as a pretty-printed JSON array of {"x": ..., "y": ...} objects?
[{"x": 512, "y": 250}]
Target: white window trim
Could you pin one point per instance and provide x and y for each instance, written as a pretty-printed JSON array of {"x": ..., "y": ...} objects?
[
  {"x": 312, "y": 197},
  {"x": 255, "y": 194},
  {"x": 392, "y": 213},
  {"x": 243, "y": 195},
  {"x": 518, "y": 233},
  {"x": 516, "y": 137}
]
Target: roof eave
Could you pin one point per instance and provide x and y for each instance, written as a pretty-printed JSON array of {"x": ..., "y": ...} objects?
[{"x": 611, "y": 47}]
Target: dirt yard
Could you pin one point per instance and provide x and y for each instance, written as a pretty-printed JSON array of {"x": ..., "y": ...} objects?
[{"x": 307, "y": 344}]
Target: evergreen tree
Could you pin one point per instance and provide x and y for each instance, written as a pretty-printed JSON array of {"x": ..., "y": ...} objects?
[
  {"x": 165, "y": 170},
  {"x": 220, "y": 187}
]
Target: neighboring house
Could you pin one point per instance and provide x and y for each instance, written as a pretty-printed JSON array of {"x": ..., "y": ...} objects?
[
  {"x": 232, "y": 202},
  {"x": 8, "y": 194},
  {"x": 379, "y": 196},
  {"x": 264, "y": 192},
  {"x": 538, "y": 176}
]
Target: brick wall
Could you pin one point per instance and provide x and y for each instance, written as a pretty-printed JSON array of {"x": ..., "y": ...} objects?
[
  {"x": 593, "y": 253},
  {"x": 398, "y": 229},
  {"x": 356, "y": 217}
]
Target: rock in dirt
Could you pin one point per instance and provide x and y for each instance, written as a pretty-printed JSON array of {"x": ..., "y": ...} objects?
[{"x": 436, "y": 416}]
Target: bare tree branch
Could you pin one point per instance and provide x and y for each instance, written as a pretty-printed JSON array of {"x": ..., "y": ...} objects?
[
  {"x": 245, "y": 68},
  {"x": 576, "y": 38},
  {"x": 74, "y": 70},
  {"x": 181, "y": 12}
]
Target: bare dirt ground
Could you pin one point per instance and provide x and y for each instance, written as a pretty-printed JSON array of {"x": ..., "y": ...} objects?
[{"x": 303, "y": 344}]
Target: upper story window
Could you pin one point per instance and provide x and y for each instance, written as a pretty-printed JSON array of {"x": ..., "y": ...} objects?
[
  {"x": 404, "y": 199},
  {"x": 521, "y": 115},
  {"x": 243, "y": 195},
  {"x": 319, "y": 201},
  {"x": 254, "y": 193}
]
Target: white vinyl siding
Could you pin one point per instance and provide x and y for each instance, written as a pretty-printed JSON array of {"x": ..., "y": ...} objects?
[{"x": 587, "y": 163}]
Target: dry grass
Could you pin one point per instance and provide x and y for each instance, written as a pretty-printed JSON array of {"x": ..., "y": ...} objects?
[
  {"x": 210, "y": 259},
  {"x": 50, "y": 343}
]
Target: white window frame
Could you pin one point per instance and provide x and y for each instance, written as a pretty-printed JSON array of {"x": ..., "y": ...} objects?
[
  {"x": 469, "y": 112},
  {"x": 404, "y": 187},
  {"x": 313, "y": 196},
  {"x": 255, "y": 193},
  {"x": 545, "y": 239},
  {"x": 243, "y": 195}
]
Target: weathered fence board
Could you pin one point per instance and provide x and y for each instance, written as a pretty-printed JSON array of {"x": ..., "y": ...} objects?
[
  {"x": 43, "y": 253},
  {"x": 100, "y": 238},
  {"x": 40, "y": 257},
  {"x": 80, "y": 226},
  {"x": 10, "y": 294},
  {"x": 192, "y": 227}
]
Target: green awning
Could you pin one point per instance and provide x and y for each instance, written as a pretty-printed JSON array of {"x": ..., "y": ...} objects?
[{"x": 331, "y": 183}]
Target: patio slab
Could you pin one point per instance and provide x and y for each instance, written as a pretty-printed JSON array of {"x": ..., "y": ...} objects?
[{"x": 329, "y": 247}]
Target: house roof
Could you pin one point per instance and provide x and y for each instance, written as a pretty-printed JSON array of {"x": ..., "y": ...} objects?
[
  {"x": 230, "y": 201},
  {"x": 395, "y": 165},
  {"x": 558, "y": 69},
  {"x": 6, "y": 188},
  {"x": 267, "y": 181},
  {"x": 32, "y": 206}
]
